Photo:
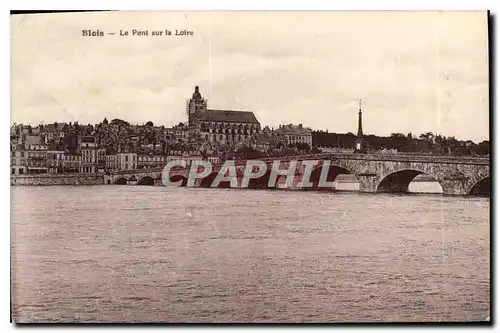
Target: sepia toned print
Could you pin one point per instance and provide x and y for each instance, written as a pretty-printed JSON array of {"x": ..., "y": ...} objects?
[{"x": 250, "y": 167}]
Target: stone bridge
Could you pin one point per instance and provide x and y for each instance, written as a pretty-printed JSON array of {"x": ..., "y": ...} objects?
[{"x": 375, "y": 172}]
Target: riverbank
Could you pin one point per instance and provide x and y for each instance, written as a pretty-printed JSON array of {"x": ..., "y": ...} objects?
[{"x": 56, "y": 179}]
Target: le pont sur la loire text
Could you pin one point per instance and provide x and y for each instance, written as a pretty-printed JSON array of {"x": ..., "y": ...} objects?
[{"x": 138, "y": 32}]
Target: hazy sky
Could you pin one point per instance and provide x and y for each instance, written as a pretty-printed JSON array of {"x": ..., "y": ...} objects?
[{"x": 415, "y": 71}]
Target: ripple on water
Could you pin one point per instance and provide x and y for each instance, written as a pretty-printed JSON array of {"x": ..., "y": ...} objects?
[{"x": 119, "y": 254}]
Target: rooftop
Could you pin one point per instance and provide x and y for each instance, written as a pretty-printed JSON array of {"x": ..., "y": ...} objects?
[
  {"x": 20, "y": 148},
  {"x": 89, "y": 139},
  {"x": 229, "y": 116},
  {"x": 34, "y": 140},
  {"x": 55, "y": 127},
  {"x": 294, "y": 129}
]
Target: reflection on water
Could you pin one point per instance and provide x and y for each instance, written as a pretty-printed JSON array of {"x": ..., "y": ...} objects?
[{"x": 142, "y": 254}]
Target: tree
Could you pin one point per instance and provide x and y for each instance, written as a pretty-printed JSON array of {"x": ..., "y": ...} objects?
[
  {"x": 316, "y": 150},
  {"x": 483, "y": 148},
  {"x": 248, "y": 153},
  {"x": 303, "y": 146}
]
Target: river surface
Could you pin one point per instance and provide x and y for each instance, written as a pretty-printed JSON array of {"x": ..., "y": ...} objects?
[{"x": 156, "y": 254}]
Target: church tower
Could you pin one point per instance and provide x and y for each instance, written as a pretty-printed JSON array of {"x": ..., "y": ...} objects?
[
  {"x": 360, "y": 144},
  {"x": 194, "y": 107}
]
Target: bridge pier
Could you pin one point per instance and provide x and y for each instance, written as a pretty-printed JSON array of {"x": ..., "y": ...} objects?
[
  {"x": 454, "y": 186},
  {"x": 368, "y": 182}
]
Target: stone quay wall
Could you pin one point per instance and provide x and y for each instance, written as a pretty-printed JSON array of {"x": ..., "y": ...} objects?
[{"x": 51, "y": 179}]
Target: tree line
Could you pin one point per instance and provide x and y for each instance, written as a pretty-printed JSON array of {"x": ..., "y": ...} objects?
[{"x": 425, "y": 143}]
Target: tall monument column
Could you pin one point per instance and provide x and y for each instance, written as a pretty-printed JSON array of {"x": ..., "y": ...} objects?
[{"x": 360, "y": 144}]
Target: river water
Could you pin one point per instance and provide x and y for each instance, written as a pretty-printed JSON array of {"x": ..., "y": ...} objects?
[{"x": 156, "y": 254}]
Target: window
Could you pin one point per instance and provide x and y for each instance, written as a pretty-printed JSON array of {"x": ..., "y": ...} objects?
[
  {"x": 126, "y": 158},
  {"x": 21, "y": 171},
  {"x": 22, "y": 154},
  {"x": 13, "y": 171}
]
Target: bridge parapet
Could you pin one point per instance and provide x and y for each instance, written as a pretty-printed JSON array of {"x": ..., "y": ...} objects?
[
  {"x": 346, "y": 156},
  {"x": 375, "y": 172}
]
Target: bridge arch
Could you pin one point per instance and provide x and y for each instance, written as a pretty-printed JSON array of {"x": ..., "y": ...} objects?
[
  {"x": 208, "y": 180},
  {"x": 333, "y": 171},
  {"x": 181, "y": 178},
  {"x": 146, "y": 180},
  {"x": 481, "y": 187},
  {"x": 398, "y": 181},
  {"x": 120, "y": 181},
  {"x": 261, "y": 182}
]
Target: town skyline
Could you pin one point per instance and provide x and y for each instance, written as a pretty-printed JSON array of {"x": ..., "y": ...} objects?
[
  {"x": 414, "y": 71},
  {"x": 414, "y": 134}
]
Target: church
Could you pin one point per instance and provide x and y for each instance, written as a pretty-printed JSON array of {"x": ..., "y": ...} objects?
[{"x": 222, "y": 126}]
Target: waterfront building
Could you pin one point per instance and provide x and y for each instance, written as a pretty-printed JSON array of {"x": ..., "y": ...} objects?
[
  {"x": 222, "y": 126},
  {"x": 55, "y": 161},
  {"x": 126, "y": 161},
  {"x": 36, "y": 161},
  {"x": 111, "y": 162},
  {"x": 186, "y": 158},
  {"x": 295, "y": 134},
  {"x": 88, "y": 149},
  {"x": 18, "y": 160},
  {"x": 150, "y": 161},
  {"x": 101, "y": 158},
  {"x": 72, "y": 162},
  {"x": 36, "y": 154}
]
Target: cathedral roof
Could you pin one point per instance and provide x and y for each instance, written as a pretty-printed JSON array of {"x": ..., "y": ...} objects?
[{"x": 229, "y": 116}]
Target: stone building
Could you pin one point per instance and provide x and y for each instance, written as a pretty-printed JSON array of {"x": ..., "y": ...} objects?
[
  {"x": 18, "y": 160},
  {"x": 126, "y": 161},
  {"x": 72, "y": 161},
  {"x": 55, "y": 161},
  {"x": 111, "y": 160},
  {"x": 53, "y": 132},
  {"x": 36, "y": 154},
  {"x": 34, "y": 142},
  {"x": 222, "y": 126},
  {"x": 296, "y": 134},
  {"x": 150, "y": 161},
  {"x": 88, "y": 148},
  {"x": 120, "y": 160},
  {"x": 101, "y": 158}
]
